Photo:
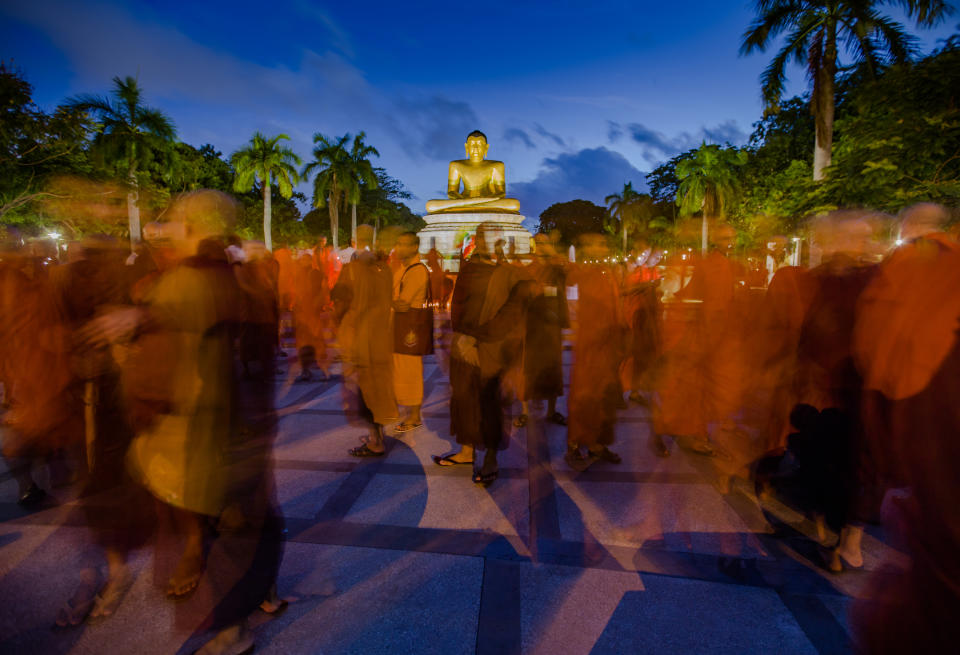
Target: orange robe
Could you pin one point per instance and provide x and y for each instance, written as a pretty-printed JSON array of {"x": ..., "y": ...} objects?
[
  {"x": 45, "y": 410},
  {"x": 597, "y": 352},
  {"x": 703, "y": 376}
]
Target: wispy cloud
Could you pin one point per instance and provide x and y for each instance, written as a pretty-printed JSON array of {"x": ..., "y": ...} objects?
[
  {"x": 339, "y": 38},
  {"x": 656, "y": 146},
  {"x": 516, "y": 135},
  {"x": 542, "y": 131}
]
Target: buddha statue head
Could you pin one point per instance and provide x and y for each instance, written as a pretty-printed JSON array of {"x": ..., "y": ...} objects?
[{"x": 476, "y": 146}]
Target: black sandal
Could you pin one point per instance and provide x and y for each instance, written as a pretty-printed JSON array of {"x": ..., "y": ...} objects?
[
  {"x": 363, "y": 451},
  {"x": 520, "y": 421},
  {"x": 448, "y": 460},
  {"x": 557, "y": 418}
]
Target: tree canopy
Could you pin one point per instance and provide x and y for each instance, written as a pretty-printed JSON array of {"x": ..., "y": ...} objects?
[{"x": 572, "y": 218}]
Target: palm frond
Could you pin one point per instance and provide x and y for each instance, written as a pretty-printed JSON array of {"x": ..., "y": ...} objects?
[{"x": 775, "y": 17}]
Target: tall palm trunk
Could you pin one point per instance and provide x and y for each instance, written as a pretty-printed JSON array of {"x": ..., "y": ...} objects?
[
  {"x": 334, "y": 205},
  {"x": 133, "y": 208},
  {"x": 267, "y": 214},
  {"x": 711, "y": 208},
  {"x": 353, "y": 221},
  {"x": 823, "y": 105}
]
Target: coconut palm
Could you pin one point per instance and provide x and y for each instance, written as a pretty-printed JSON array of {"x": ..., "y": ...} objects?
[
  {"x": 631, "y": 210},
  {"x": 335, "y": 175},
  {"x": 362, "y": 175},
  {"x": 707, "y": 182},
  {"x": 818, "y": 30},
  {"x": 129, "y": 135},
  {"x": 259, "y": 161}
]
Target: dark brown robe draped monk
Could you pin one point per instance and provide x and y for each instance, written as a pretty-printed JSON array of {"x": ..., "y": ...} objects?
[
  {"x": 546, "y": 317},
  {"x": 476, "y": 412}
]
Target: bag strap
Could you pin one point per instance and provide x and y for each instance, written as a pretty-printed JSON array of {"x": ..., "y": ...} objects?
[{"x": 429, "y": 295}]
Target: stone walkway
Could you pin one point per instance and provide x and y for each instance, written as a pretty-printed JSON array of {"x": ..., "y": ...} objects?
[{"x": 397, "y": 555}]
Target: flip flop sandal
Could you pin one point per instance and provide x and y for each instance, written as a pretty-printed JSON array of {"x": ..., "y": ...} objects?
[
  {"x": 406, "y": 427},
  {"x": 520, "y": 421},
  {"x": 448, "y": 460},
  {"x": 106, "y": 605},
  {"x": 557, "y": 418},
  {"x": 363, "y": 451}
]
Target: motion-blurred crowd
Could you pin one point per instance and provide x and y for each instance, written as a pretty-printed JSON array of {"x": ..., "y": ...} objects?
[{"x": 147, "y": 381}]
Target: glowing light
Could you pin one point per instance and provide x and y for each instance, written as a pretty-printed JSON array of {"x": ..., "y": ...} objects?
[
  {"x": 899, "y": 242},
  {"x": 53, "y": 235}
]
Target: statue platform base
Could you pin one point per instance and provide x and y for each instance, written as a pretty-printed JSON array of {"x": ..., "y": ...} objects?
[{"x": 445, "y": 231}]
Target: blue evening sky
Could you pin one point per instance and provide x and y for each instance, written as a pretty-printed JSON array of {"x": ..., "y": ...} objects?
[{"x": 575, "y": 97}]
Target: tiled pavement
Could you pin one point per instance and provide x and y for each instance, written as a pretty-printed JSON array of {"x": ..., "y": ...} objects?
[{"x": 397, "y": 555}]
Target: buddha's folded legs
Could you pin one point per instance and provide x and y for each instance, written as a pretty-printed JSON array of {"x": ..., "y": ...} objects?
[{"x": 473, "y": 204}]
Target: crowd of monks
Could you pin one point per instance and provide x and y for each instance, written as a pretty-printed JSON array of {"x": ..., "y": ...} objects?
[{"x": 148, "y": 380}]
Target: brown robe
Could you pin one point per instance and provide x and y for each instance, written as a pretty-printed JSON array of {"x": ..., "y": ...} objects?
[
  {"x": 597, "y": 353},
  {"x": 363, "y": 296}
]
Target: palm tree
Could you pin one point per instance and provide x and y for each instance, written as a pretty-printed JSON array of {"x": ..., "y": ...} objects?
[
  {"x": 707, "y": 182},
  {"x": 335, "y": 169},
  {"x": 630, "y": 209},
  {"x": 362, "y": 175},
  {"x": 817, "y": 30},
  {"x": 260, "y": 160},
  {"x": 129, "y": 135}
]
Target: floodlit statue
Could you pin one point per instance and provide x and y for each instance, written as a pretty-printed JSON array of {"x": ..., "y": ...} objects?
[{"x": 484, "y": 186}]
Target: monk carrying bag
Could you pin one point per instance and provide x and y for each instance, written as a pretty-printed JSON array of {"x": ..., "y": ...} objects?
[{"x": 413, "y": 329}]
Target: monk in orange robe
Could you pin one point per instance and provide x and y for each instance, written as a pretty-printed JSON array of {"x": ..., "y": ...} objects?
[
  {"x": 907, "y": 347},
  {"x": 598, "y": 350}
]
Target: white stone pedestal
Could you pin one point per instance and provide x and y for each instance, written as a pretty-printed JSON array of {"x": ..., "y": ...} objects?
[{"x": 443, "y": 231}]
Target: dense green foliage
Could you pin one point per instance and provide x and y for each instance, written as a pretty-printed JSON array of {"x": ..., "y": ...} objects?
[{"x": 109, "y": 152}]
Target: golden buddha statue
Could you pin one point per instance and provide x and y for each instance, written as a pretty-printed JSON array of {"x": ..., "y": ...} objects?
[{"x": 484, "y": 186}]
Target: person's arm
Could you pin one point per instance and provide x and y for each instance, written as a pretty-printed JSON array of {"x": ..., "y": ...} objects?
[
  {"x": 413, "y": 289},
  {"x": 509, "y": 316}
]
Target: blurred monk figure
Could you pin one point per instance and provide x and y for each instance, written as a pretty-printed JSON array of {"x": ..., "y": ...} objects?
[
  {"x": 363, "y": 297},
  {"x": 547, "y": 316},
  {"x": 597, "y": 353},
  {"x": 700, "y": 387},
  {"x": 411, "y": 281},
  {"x": 311, "y": 300},
  {"x": 907, "y": 348},
  {"x": 42, "y": 394},
  {"x": 486, "y": 316},
  {"x": 827, "y": 377}
]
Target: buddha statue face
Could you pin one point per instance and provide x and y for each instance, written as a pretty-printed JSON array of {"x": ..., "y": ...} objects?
[{"x": 476, "y": 147}]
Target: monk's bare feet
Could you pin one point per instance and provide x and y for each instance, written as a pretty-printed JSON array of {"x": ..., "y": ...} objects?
[
  {"x": 112, "y": 593},
  {"x": 187, "y": 575}
]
